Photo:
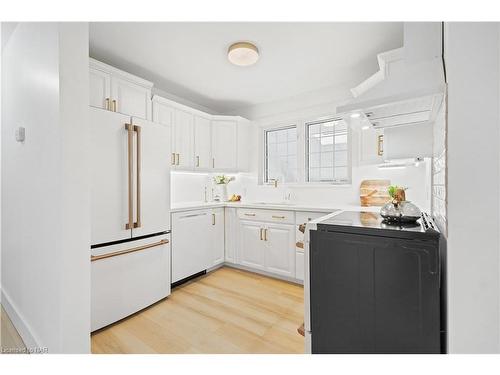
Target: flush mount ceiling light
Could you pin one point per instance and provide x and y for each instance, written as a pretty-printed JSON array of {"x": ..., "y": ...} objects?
[
  {"x": 355, "y": 115},
  {"x": 243, "y": 54}
]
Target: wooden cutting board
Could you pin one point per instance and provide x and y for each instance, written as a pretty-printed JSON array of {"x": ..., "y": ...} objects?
[{"x": 374, "y": 192}]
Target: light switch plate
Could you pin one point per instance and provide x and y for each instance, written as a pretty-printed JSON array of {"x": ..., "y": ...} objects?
[{"x": 20, "y": 134}]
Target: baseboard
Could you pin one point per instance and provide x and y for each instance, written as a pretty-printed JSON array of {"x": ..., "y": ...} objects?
[
  {"x": 274, "y": 276},
  {"x": 24, "y": 330}
]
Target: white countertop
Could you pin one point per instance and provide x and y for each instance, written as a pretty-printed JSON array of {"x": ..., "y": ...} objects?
[{"x": 189, "y": 206}]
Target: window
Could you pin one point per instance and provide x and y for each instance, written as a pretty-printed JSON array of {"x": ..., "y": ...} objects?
[
  {"x": 327, "y": 151},
  {"x": 281, "y": 155}
]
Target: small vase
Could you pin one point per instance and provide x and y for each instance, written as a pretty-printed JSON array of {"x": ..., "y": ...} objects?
[{"x": 220, "y": 193}]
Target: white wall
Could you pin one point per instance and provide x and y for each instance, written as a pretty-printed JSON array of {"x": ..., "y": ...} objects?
[
  {"x": 472, "y": 65},
  {"x": 45, "y": 218}
]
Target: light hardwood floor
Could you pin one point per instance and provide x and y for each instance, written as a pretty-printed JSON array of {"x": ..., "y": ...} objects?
[
  {"x": 225, "y": 311},
  {"x": 10, "y": 341}
]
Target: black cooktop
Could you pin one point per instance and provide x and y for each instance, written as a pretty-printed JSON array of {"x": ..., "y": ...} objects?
[{"x": 373, "y": 223}]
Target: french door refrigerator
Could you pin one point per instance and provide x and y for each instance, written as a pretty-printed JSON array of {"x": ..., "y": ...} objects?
[{"x": 130, "y": 215}]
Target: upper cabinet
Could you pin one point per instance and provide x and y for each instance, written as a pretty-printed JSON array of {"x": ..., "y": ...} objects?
[
  {"x": 201, "y": 141},
  {"x": 224, "y": 144},
  {"x": 371, "y": 143},
  {"x": 114, "y": 90}
]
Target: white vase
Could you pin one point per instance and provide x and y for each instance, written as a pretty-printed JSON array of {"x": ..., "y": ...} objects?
[{"x": 220, "y": 193}]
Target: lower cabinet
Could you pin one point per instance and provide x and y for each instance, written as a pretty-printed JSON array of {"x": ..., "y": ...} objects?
[
  {"x": 268, "y": 247},
  {"x": 252, "y": 244},
  {"x": 197, "y": 241},
  {"x": 279, "y": 251},
  {"x": 217, "y": 236}
]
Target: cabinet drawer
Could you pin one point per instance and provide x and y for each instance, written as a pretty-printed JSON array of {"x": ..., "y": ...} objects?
[
  {"x": 273, "y": 216},
  {"x": 304, "y": 217}
]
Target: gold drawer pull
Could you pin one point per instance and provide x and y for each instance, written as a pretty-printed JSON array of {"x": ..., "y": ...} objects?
[
  {"x": 93, "y": 258},
  {"x": 246, "y": 214},
  {"x": 278, "y": 217},
  {"x": 265, "y": 234},
  {"x": 261, "y": 229}
]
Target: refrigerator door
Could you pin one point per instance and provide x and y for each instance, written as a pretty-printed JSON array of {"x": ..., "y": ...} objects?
[
  {"x": 128, "y": 277},
  {"x": 151, "y": 195},
  {"x": 108, "y": 176}
]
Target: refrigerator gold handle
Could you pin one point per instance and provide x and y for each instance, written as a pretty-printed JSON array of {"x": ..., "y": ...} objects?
[
  {"x": 137, "y": 129},
  {"x": 130, "y": 134},
  {"x": 265, "y": 234},
  {"x": 173, "y": 158},
  {"x": 107, "y": 104},
  {"x": 114, "y": 105},
  {"x": 127, "y": 251}
]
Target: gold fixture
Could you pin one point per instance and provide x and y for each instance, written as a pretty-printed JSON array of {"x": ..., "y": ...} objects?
[
  {"x": 243, "y": 53},
  {"x": 274, "y": 182},
  {"x": 197, "y": 161},
  {"x": 137, "y": 129},
  {"x": 213, "y": 219},
  {"x": 114, "y": 105},
  {"x": 173, "y": 158},
  {"x": 246, "y": 214},
  {"x": 265, "y": 234},
  {"x": 107, "y": 104},
  {"x": 128, "y": 251},
  {"x": 380, "y": 145},
  {"x": 278, "y": 217},
  {"x": 130, "y": 134}
]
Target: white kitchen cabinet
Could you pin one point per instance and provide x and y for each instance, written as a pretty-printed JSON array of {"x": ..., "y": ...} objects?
[
  {"x": 217, "y": 236},
  {"x": 130, "y": 98},
  {"x": 279, "y": 240},
  {"x": 371, "y": 146},
  {"x": 99, "y": 89},
  {"x": 252, "y": 245},
  {"x": 118, "y": 91},
  {"x": 183, "y": 139},
  {"x": 202, "y": 143},
  {"x": 231, "y": 234},
  {"x": 224, "y": 144},
  {"x": 192, "y": 237},
  {"x": 246, "y": 143}
]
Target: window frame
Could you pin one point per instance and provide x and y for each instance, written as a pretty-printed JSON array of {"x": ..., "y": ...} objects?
[
  {"x": 265, "y": 177},
  {"x": 336, "y": 182}
]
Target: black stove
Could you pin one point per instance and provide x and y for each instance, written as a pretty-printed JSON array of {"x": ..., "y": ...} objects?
[{"x": 373, "y": 223}]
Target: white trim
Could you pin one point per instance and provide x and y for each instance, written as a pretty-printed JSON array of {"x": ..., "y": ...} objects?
[{"x": 25, "y": 331}]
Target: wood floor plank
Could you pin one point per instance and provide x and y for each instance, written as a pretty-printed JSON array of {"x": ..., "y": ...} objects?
[
  {"x": 226, "y": 311},
  {"x": 10, "y": 340}
]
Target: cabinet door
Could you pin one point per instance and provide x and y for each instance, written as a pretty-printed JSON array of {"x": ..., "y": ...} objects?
[
  {"x": 251, "y": 245},
  {"x": 130, "y": 98},
  {"x": 280, "y": 249},
  {"x": 108, "y": 176},
  {"x": 217, "y": 236},
  {"x": 371, "y": 147},
  {"x": 164, "y": 114},
  {"x": 191, "y": 243},
  {"x": 183, "y": 139},
  {"x": 231, "y": 234},
  {"x": 202, "y": 143},
  {"x": 153, "y": 194},
  {"x": 100, "y": 88},
  {"x": 224, "y": 144}
]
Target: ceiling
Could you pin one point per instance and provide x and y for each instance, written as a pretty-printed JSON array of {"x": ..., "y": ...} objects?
[{"x": 189, "y": 60}]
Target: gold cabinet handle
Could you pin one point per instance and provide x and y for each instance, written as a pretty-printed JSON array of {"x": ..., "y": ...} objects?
[
  {"x": 265, "y": 234},
  {"x": 123, "y": 252},
  {"x": 261, "y": 229},
  {"x": 178, "y": 159},
  {"x": 247, "y": 214},
  {"x": 130, "y": 135},
  {"x": 137, "y": 129},
  {"x": 197, "y": 161},
  {"x": 173, "y": 159},
  {"x": 213, "y": 219},
  {"x": 107, "y": 104},
  {"x": 380, "y": 145},
  {"x": 114, "y": 105},
  {"x": 278, "y": 217}
]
